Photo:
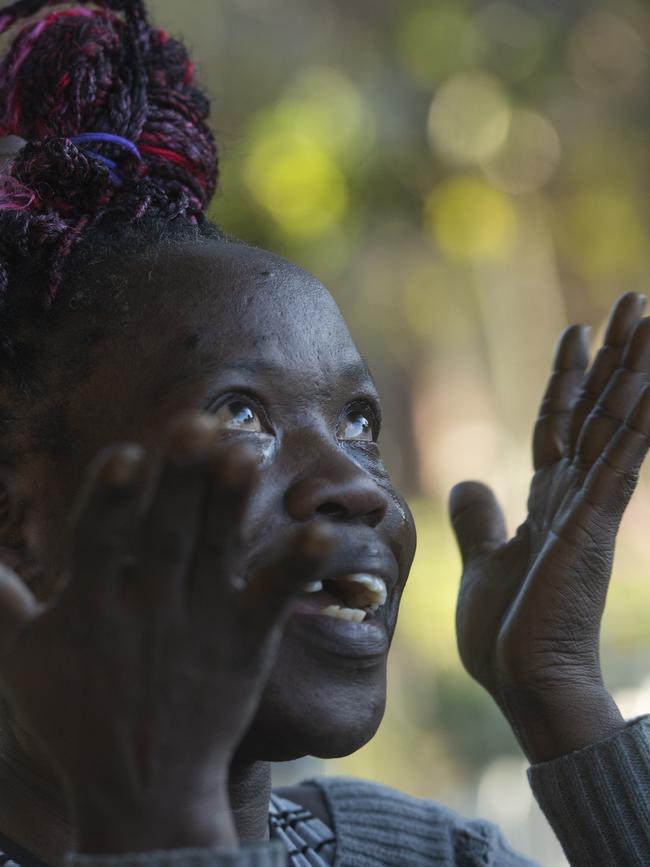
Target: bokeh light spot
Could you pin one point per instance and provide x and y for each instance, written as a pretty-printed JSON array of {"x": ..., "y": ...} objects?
[
  {"x": 326, "y": 105},
  {"x": 510, "y": 40},
  {"x": 601, "y": 233},
  {"x": 529, "y": 157},
  {"x": 606, "y": 55},
  {"x": 503, "y": 793},
  {"x": 469, "y": 119},
  {"x": 435, "y": 41},
  {"x": 470, "y": 220},
  {"x": 297, "y": 182}
]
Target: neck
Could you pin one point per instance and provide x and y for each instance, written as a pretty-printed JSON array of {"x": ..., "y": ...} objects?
[
  {"x": 250, "y": 791},
  {"x": 34, "y": 815}
]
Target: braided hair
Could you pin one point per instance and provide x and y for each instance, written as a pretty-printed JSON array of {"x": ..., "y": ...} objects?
[
  {"x": 115, "y": 140},
  {"x": 110, "y": 156}
]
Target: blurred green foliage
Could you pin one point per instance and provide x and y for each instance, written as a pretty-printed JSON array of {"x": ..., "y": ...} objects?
[{"x": 467, "y": 177}]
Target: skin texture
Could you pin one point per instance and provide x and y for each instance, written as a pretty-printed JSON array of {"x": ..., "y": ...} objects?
[
  {"x": 530, "y": 607},
  {"x": 247, "y": 322},
  {"x": 170, "y": 679}
]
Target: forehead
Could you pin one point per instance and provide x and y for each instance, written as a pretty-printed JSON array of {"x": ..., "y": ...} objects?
[
  {"x": 238, "y": 302},
  {"x": 198, "y": 311}
]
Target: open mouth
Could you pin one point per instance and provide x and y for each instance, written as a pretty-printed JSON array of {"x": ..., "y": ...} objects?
[{"x": 356, "y": 596}]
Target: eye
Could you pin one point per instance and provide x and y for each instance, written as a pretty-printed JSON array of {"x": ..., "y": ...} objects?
[
  {"x": 239, "y": 414},
  {"x": 357, "y": 423}
]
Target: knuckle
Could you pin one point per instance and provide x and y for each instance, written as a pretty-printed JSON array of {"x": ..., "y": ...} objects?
[
  {"x": 634, "y": 427},
  {"x": 588, "y": 394},
  {"x": 606, "y": 413},
  {"x": 581, "y": 463},
  {"x": 623, "y": 378},
  {"x": 553, "y": 408}
]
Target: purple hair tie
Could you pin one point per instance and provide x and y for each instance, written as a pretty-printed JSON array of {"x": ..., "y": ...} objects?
[{"x": 109, "y": 137}]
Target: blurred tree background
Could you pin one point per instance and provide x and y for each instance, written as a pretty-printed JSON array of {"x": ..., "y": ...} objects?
[{"x": 467, "y": 177}]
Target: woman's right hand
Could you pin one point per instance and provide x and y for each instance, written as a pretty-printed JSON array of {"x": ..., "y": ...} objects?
[{"x": 142, "y": 676}]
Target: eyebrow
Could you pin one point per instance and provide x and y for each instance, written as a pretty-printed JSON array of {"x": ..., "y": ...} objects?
[{"x": 356, "y": 371}]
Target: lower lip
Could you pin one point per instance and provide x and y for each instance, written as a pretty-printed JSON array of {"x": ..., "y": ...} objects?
[{"x": 344, "y": 638}]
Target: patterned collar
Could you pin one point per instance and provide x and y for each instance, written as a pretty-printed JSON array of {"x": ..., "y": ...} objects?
[
  {"x": 13, "y": 855},
  {"x": 308, "y": 840}
]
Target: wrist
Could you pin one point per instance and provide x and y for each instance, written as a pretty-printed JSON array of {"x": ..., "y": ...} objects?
[{"x": 558, "y": 719}]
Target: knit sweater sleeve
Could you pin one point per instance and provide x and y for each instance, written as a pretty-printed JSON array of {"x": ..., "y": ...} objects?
[
  {"x": 376, "y": 825},
  {"x": 597, "y": 799}
]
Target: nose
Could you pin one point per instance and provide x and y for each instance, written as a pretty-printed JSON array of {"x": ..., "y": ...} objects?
[{"x": 339, "y": 489}]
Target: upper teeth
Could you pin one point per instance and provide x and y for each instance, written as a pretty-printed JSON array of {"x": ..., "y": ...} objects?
[
  {"x": 374, "y": 594},
  {"x": 371, "y": 593}
]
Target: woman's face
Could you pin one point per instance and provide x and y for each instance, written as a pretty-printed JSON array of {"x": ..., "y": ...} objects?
[{"x": 243, "y": 334}]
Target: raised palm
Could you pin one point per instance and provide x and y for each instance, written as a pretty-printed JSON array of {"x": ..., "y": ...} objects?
[{"x": 530, "y": 607}]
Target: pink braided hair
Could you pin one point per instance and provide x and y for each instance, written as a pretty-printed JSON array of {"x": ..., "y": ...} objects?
[{"x": 105, "y": 71}]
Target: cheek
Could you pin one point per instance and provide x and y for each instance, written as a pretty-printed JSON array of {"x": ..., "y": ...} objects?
[
  {"x": 400, "y": 526},
  {"x": 409, "y": 531}
]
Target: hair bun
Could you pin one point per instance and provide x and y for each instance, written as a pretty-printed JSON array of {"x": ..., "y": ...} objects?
[
  {"x": 115, "y": 127},
  {"x": 71, "y": 72},
  {"x": 106, "y": 70},
  {"x": 62, "y": 177}
]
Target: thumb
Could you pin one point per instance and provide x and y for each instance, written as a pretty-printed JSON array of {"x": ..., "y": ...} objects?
[
  {"x": 477, "y": 519},
  {"x": 17, "y": 606}
]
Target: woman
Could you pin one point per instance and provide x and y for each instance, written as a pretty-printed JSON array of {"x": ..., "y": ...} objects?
[{"x": 203, "y": 553}]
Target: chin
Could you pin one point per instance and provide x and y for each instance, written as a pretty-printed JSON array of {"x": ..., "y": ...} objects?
[{"x": 328, "y": 723}]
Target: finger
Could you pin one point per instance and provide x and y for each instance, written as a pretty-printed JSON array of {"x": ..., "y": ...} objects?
[
  {"x": 612, "y": 479},
  {"x": 617, "y": 399},
  {"x": 636, "y": 355},
  {"x": 477, "y": 519},
  {"x": 550, "y": 436},
  {"x": 17, "y": 607},
  {"x": 101, "y": 523},
  {"x": 171, "y": 527},
  {"x": 265, "y": 599},
  {"x": 219, "y": 548},
  {"x": 625, "y": 315}
]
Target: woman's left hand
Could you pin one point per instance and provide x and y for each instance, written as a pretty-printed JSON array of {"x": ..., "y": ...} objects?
[{"x": 530, "y": 607}]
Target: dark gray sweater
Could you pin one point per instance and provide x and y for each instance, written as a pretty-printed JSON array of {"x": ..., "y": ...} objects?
[{"x": 597, "y": 800}]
